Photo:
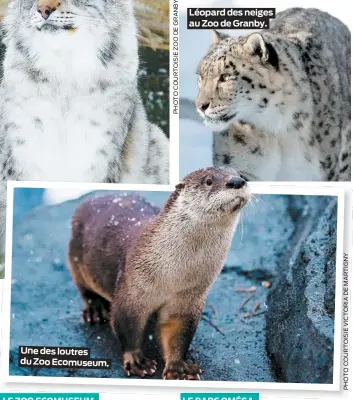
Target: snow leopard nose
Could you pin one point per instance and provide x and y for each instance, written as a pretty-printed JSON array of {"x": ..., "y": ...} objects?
[
  {"x": 236, "y": 183},
  {"x": 46, "y": 7},
  {"x": 45, "y": 11},
  {"x": 203, "y": 106}
]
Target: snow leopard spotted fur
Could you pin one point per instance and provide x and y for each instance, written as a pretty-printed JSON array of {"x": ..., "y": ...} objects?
[
  {"x": 278, "y": 101},
  {"x": 70, "y": 109}
]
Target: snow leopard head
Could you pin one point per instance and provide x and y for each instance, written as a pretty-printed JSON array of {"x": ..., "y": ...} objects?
[
  {"x": 239, "y": 80},
  {"x": 55, "y": 15},
  {"x": 46, "y": 32}
]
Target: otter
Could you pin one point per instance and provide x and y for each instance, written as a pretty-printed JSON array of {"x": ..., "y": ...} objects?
[{"x": 130, "y": 260}]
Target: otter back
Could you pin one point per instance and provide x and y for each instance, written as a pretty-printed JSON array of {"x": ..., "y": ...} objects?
[{"x": 103, "y": 230}]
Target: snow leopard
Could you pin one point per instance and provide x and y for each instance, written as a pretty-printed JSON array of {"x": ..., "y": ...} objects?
[
  {"x": 278, "y": 101},
  {"x": 70, "y": 109}
]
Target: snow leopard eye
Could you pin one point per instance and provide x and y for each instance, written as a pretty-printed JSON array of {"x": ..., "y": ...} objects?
[{"x": 224, "y": 77}]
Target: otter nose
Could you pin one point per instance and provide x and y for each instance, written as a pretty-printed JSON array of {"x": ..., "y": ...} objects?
[
  {"x": 47, "y": 7},
  {"x": 203, "y": 106},
  {"x": 236, "y": 183}
]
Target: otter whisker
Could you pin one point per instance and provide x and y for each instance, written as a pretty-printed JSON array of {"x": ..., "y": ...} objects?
[
  {"x": 241, "y": 227},
  {"x": 256, "y": 204}
]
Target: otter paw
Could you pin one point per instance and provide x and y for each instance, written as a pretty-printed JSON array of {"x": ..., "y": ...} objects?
[
  {"x": 136, "y": 364},
  {"x": 96, "y": 312},
  {"x": 181, "y": 370}
]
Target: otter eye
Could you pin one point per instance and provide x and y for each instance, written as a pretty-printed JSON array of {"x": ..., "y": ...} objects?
[
  {"x": 224, "y": 77},
  {"x": 209, "y": 181}
]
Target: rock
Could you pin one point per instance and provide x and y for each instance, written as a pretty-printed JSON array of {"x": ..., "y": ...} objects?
[{"x": 300, "y": 318}]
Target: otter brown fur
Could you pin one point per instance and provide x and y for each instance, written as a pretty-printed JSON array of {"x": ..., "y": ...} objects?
[{"x": 130, "y": 260}]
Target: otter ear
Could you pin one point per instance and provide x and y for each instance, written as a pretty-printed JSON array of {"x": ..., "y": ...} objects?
[
  {"x": 255, "y": 45},
  {"x": 217, "y": 37},
  {"x": 180, "y": 186}
]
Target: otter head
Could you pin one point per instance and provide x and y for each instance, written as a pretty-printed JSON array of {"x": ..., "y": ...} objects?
[
  {"x": 211, "y": 194},
  {"x": 239, "y": 80}
]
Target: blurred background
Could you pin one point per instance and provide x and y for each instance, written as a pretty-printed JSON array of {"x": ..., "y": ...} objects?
[
  {"x": 195, "y": 140},
  {"x": 153, "y": 23}
]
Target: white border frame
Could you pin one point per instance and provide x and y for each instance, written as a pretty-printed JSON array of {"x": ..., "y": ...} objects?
[
  {"x": 173, "y": 118},
  {"x": 257, "y": 188}
]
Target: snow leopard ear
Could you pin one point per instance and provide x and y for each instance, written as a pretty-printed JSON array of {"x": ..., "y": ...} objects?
[
  {"x": 218, "y": 36},
  {"x": 255, "y": 45}
]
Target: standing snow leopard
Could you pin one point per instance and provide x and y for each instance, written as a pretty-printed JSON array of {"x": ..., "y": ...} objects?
[
  {"x": 279, "y": 101},
  {"x": 70, "y": 109}
]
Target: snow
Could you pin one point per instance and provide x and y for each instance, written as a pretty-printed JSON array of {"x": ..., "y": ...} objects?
[{"x": 59, "y": 195}]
